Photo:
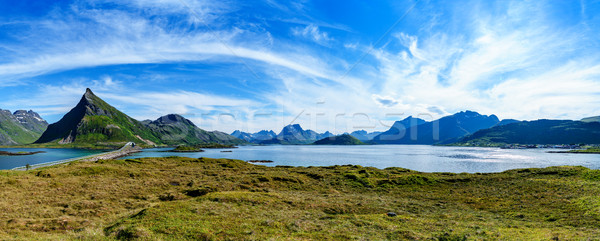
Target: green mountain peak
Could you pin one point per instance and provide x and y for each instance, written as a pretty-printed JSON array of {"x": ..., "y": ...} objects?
[{"x": 93, "y": 121}]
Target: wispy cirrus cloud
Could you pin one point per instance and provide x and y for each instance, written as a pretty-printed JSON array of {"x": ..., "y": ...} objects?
[
  {"x": 313, "y": 33},
  {"x": 522, "y": 60},
  {"x": 140, "y": 41},
  {"x": 517, "y": 63}
]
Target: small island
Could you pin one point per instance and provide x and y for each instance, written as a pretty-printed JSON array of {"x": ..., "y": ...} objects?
[
  {"x": 186, "y": 149},
  {"x": 24, "y": 153},
  {"x": 215, "y": 146},
  {"x": 260, "y": 161},
  {"x": 580, "y": 151},
  {"x": 344, "y": 139},
  {"x": 199, "y": 147}
]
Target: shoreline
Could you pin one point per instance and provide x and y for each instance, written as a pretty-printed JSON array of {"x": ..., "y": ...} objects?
[
  {"x": 127, "y": 152},
  {"x": 573, "y": 152}
]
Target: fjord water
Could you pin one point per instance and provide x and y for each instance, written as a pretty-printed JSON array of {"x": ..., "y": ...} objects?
[
  {"x": 49, "y": 155},
  {"x": 414, "y": 157}
]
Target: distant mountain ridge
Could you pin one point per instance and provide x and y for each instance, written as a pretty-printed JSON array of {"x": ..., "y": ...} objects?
[
  {"x": 363, "y": 135},
  {"x": 410, "y": 130},
  {"x": 254, "y": 137},
  {"x": 290, "y": 135},
  {"x": 20, "y": 127},
  {"x": 94, "y": 122},
  {"x": 537, "y": 132},
  {"x": 445, "y": 130}
]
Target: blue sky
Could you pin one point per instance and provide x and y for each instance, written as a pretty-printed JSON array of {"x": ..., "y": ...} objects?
[{"x": 327, "y": 65}]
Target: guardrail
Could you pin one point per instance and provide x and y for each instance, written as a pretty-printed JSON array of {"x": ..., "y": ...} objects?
[{"x": 47, "y": 164}]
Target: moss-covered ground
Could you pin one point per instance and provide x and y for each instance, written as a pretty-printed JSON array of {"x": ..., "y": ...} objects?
[{"x": 217, "y": 199}]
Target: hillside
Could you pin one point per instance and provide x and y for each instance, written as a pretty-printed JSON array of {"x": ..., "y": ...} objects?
[
  {"x": 175, "y": 129},
  {"x": 95, "y": 122},
  {"x": 538, "y": 132},
  {"x": 339, "y": 140},
  {"x": 445, "y": 130},
  {"x": 20, "y": 127}
]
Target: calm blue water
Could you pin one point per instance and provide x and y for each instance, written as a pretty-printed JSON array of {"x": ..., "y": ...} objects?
[
  {"x": 10, "y": 162},
  {"x": 419, "y": 158}
]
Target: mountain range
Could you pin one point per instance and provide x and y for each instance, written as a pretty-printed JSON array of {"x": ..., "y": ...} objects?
[
  {"x": 289, "y": 135},
  {"x": 257, "y": 137},
  {"x": 445, "y": 130},
  {"x": 294, "y": 134},
  {"x": 20, "y": 127},
  {"x": 93, "y": 121}
]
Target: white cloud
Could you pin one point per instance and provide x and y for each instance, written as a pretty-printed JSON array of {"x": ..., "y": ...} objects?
[
  {"x": 508, "y": 61},
  {"x": 514, "y": 64},
  {"x": 143, "y": 41},
  {"x": 313, "y": 33}
]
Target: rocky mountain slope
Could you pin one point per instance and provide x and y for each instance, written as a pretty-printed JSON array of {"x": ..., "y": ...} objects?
[
  {"x": 20, "y": 127},
  {"x": 175, "y": 129}
]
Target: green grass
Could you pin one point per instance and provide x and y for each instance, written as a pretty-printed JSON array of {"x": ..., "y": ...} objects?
[
  {"x": 218, "y": 199},
  {"x": 589, "y": 150},
  {"x": 16, "y": 132}
]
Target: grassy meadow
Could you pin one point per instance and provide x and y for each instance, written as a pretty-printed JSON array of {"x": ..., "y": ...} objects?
[{"x": 218, "y": 199}]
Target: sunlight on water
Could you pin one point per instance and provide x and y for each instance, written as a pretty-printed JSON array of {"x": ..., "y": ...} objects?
[{"x": 419, "y": 158}]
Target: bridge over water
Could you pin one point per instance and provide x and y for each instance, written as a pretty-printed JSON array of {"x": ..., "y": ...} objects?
[{"x": 127, "y": 149}]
